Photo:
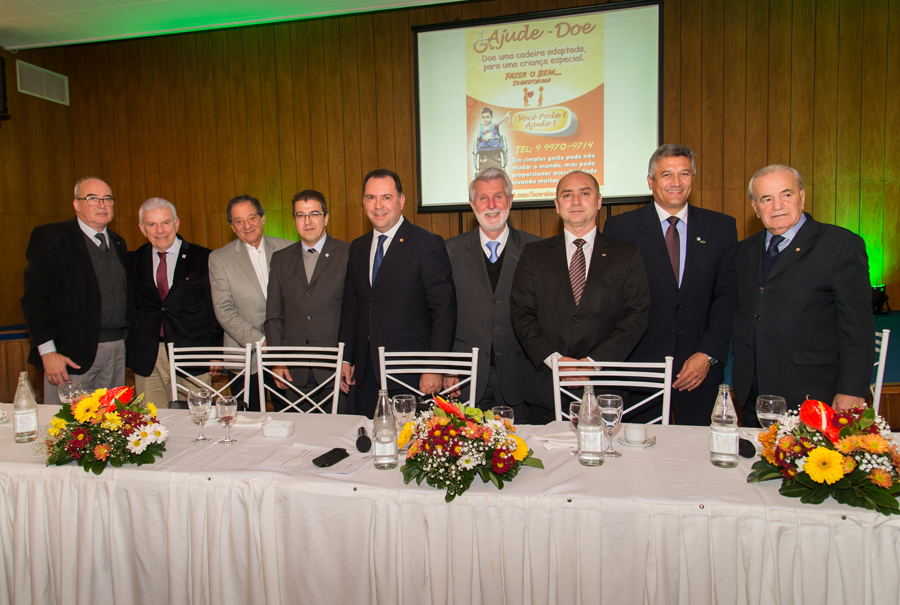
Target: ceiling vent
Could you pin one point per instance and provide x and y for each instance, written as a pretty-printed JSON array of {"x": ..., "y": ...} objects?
[{"x": 42, "y": 83}]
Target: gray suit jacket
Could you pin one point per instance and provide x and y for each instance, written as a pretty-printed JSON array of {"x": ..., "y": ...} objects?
[
  {"x": 303, "y": 313},
  {"x": 238, "y": 298},
  {"x": 483, "y": 314}
]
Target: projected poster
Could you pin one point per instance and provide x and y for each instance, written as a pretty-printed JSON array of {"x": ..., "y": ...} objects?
[
  {"x": 539, "y": 96},
  {"x": 534, "y": 101}
]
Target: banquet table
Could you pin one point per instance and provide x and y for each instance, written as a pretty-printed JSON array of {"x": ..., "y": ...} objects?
[{"x": 208, "y": 524}]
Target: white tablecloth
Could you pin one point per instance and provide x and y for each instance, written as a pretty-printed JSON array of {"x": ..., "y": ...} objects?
[{"x": 205, "y": 524}]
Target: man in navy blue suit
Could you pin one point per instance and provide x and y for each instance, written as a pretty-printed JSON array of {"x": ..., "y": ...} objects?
[
  {"x": 689, "y": 256},
  {"x": 398, "y": 292}
]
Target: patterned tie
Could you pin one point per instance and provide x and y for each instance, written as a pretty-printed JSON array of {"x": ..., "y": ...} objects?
[
  {"x": 577, "y": 270},
  {"x": 673, "y": 245},
  {"x": 162, "y": 281},
  {"x": 492, "y": 246},
  {"x": 103, "y": 245},
  {"x": 772, "y": 251},
  {"x": 379, "y": 256}
]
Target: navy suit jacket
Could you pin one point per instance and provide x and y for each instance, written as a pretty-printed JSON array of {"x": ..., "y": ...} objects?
[
  {"x": 410, "y": 307},
  {"x": 696, "y": 317}
]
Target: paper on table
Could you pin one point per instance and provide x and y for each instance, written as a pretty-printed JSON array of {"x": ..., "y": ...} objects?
[
  {"x": 556, "y": 436},
  {"x": 299, "y": 457}
]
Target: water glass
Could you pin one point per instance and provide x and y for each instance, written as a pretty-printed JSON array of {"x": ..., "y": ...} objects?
[
  {"x": 769, "y": 408},
  {"x": 198, "y": 405},
  {"x": 503, "y": 411},
  {"x": 404, "y": 410},
  {"x": 67, "y": 391},
  {"x": 611, "y": 407},
  {"x": 228, "y": 410}
]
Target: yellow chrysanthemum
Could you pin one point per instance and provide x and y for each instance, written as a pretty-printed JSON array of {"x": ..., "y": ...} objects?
[
  {"x": 881, "y": 478},
  {"x": 847, "y": 445},
  {"x": 152, "y": 409},
  {"x": 112, "y": 421},
  {"x": 87, "y": 409},
  {"x": 876, "y": 444},
  {"x": 848, "y": 465},
  {"x": 56, "y": 425},
  {"x": 823, "y": 465},
  {"x": 405, "y": 434},
  {"x": 521, "y": 448}
]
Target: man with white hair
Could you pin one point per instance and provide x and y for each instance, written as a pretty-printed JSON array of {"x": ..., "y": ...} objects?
[
  {"x": 173, "y": 303},
  {"x": 484, "y": 261}
]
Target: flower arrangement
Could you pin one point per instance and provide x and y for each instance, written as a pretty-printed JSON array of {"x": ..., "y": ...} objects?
[
  {"x": 818, "y": 452},
  {"x": 108, "y": 426},
  {"x": 452, "y": 443}
]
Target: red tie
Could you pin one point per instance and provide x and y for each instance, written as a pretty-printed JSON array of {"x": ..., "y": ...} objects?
[
  {"x": 162, "y": 281},
  {"x": 673, "y": 245}
]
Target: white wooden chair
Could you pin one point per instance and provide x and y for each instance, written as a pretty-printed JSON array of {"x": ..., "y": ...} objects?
[
  {"x": 236, "y": 359},
  {"x": 463, "y": 365},
  {"x": 328, "y": 391},
  {"x": 655, "y": 376},
  {"x": 881, "y": 349}
]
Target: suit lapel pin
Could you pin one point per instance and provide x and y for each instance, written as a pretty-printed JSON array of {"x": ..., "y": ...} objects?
[
  {"x": 604, "y": 254},
  {"x": 184, "y": 256},
  {"x": 702, "y": 241},
  {"x": 401, "y": 240},
  {"x": 326, "y": 255},
  {"x": 798, "y": 249}
]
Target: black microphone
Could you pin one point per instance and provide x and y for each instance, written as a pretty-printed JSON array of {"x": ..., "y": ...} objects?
[
  {"x": 746, "y": 449},
  {"x": 363, "y": 443}
]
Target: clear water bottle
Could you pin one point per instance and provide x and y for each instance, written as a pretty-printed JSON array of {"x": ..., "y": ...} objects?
[
  {"x": 590, "y": 432},
  {"x": 385, "y": 431},
  {"x": 723, "y": 431},
  {"x": 24, "y": 411}
]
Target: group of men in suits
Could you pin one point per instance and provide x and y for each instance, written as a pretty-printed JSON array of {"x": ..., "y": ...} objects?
[{"x": 668, "y": 279}]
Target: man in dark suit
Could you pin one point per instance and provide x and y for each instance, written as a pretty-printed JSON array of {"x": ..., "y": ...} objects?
[
  {"x": 77, "y": 302},
  {"x": 688, "y": 253},
  {"x": 172, "y": 300},
  {"x": 398, "y": 292},
  {"x": 579, "y": 294},
  {"x": 484, "y": 261},
  {"x": 803, "y": 325},
  {"x": 306, "y": 287}
]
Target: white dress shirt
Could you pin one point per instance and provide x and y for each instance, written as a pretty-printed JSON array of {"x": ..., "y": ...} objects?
[
  {"x": 502, "y": 239},
  {"x": 258, "y": 260}
]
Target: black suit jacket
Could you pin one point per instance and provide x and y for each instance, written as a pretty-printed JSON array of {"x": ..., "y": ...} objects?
[
  {"x": 482, "y": 318},
  {"x": 186, "y": 314},
  {"x": 812, "y": 317},
  {"x": 605, "y": 326},
  {"x": 410, "y": 307},
  {"x": 62, "y": 298},
  {"x": 301, "y": 312},
  {"x": 696, "y": 317}
]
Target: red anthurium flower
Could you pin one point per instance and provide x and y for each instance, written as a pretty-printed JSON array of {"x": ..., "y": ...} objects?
[
  {"x": 448, "y": 407},
  {"x": 123, "y": 394},
  {"x": 818, "y": 415}
]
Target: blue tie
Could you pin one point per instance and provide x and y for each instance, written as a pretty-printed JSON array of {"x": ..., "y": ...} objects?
[
  {"x": 492, "y": 246},
  {"x": 379, "y": 256}
]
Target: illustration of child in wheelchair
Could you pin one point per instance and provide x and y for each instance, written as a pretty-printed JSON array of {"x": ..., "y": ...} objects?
[{"x": 490, "y": 148}]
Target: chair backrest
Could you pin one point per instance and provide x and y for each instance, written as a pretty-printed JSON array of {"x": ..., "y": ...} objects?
[
  {"x": 657, "y": 377},
  {"x": 317, "y": 398},
  {"x": 396, "y": 365},
  {"x": 881, "y": 349},
  {"x": 236, "y": 359}
]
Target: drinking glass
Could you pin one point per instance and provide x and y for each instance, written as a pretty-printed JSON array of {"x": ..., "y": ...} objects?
[
  {"x": 404, "y": 410},
  {"x": 67, "y": 390},
  {"x": 227, "y": 409},
  {"x": 574, "y": 408},
  {"x": 769, "y": 408},
  {"x": 611, "y": 407},
  {"x": 503, "y": 411},
  {"x": 198, "y": 404}
]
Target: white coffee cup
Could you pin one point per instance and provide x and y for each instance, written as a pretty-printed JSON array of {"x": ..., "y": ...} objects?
[{"x": 635, "y": 433}]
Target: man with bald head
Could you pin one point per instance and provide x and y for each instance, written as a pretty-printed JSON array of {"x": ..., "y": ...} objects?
[{"x": 77, "y": 303}]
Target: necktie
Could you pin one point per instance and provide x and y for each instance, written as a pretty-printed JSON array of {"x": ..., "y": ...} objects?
[
  {"x": 312, "y": 250},
  {"x": 492, "y": 246},
  {"x": 577, "y": 270},
  {"x": 103, "y": 245},
  {"x": 379, "y": 256},
  {"x": 673, "y": 245},
  {"x": 162, "y": 281},
  {"x": 771, "y": 256},
  {"x": 772, "y": 251}
]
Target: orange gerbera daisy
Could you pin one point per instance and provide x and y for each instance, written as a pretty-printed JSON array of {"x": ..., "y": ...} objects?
[
  {"x": 881, "y": 478},
  {"x": 101, "y": 451},
  {"x": 847, "y": 445},
  {"x": 848, "y": 465},
  {"x": 876, "y": 444},
  {"x": 786, "y": 442}
]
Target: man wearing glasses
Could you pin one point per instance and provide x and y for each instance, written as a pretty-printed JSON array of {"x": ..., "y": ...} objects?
[
  {"x": 77, "y": 302},
  {"x": 239, "y": 279},
  {"x": 306, "y": 287}
]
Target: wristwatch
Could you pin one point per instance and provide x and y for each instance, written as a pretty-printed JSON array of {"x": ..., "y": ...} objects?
[{"x": 712, "y": 361}]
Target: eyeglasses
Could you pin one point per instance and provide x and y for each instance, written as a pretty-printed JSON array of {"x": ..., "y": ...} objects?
[
  {"x": 312, "y": 215},
  {"x": 93, "y": 200}
]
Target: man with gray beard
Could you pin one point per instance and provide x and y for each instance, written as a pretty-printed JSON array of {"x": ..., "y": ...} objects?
[{"x": 484, "y": 261}]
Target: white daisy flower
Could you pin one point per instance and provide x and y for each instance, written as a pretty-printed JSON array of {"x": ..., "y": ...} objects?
[
  {"x": 467, "y": 461},
  {"x": 135, "y": 444},
  {"x": 143, "y": 433},
  {"x": 158, "y": 432}
]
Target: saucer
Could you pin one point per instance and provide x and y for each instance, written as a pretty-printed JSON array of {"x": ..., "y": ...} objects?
[{"x": 650, "y": 442}]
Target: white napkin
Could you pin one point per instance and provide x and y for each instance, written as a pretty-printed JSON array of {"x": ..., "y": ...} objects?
[
  {"x": 245, "y": 422},
  {"x": 557, "y": 440}
]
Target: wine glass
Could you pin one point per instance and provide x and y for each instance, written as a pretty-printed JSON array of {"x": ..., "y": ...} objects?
[
  {"x": 198, "y": 404},
  {"x": 404, "y": 410},
  {"x": 574, "y": 409},
  {"x": 503, "y": 411},
  {"x": 769, "y": 408},
  {"x": 67, "y": 391},
  {"x": 227, "y": 409},
  {"x": 611, "y": 407}
]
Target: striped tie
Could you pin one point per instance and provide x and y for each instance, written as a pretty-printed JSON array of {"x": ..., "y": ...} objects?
[
  {"x": 577, "y": 272},
  {"x": 673, "y": 245}
]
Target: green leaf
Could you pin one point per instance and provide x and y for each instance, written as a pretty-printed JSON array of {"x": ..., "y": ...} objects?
[
  {"x": 98, "y": 466},
  {"x": 805, "y": 479},
  {"x": 409, "y": 473},
  {"x": 488, "y": 415},
  {"x": 817, "y": 496},
  {"x": 792, "y": 489},
  {"x": 495, "y": 479},
  {"x": 116, "y": 462},
  {"x": 65, "y": 413},
  {"x": 759, "y": 476},
  {"x": 844, "y": 483},
  {"x": 449, "y": 497},
  {"x": 880, "y": 497},
  {"x": 439, "y": 412},
  {"x": 532, "y": 462}
]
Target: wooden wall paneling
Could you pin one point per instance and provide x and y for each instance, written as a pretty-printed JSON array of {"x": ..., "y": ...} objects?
[
  {"x": 126, "y": 208},
  {"x": 107, "y": 95},
  {"x": 178, "y": 150},
  {"x": 802, "y": 79},
  {"x": 403, "y": 130},
  {"x": 825, "y": 120},
  {"x": 318, "y": 108},
  {"x": 369, "y": 135},
  {"x": 47, "y": 150},
  {"x": 225, "y": 142},
  {"x": 149, "y": 102},
  {"x": 284, "y": 90},
  {"x": 335, "y": 128},
  {"x": 671, "y": 66},
  {"x": 194, "y": 139},
  {"x": 271, "y": 148},
  {"x": 713, "y": 99},
  {"x": 163, "y": 125},
  {"x": 84, "y": 95},
  {"x": 347, "y": 201},
  {"x": 240, "y": 151},
  {"x": 384, "y": 92},
  {"x": 691, "y": 85},
  {"x": 734, "y": 178},
  {"x": 300, "y": 79},
  {"x": 123, "y": 187},
  {"x": 256, "y": 166},
  {"x": 472, "y": 10},
  {"x": 891, "y": 269},
  {"x": 757, "y": 96},
  {"x": 208, "y": 135},
  {"x": 848, "y": 115},
  {"x": 528, "y": 6},
  {"x": 779, "y": 76}
]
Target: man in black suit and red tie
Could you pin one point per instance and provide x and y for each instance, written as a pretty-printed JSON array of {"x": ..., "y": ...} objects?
[
  {"x": 688, "y": 253},
  {"x": 173, "y": 303},
  {"x": 579, "y": 294},
  {"x": 398, "y": 293},
  {"x": 803, "y": 325}
]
